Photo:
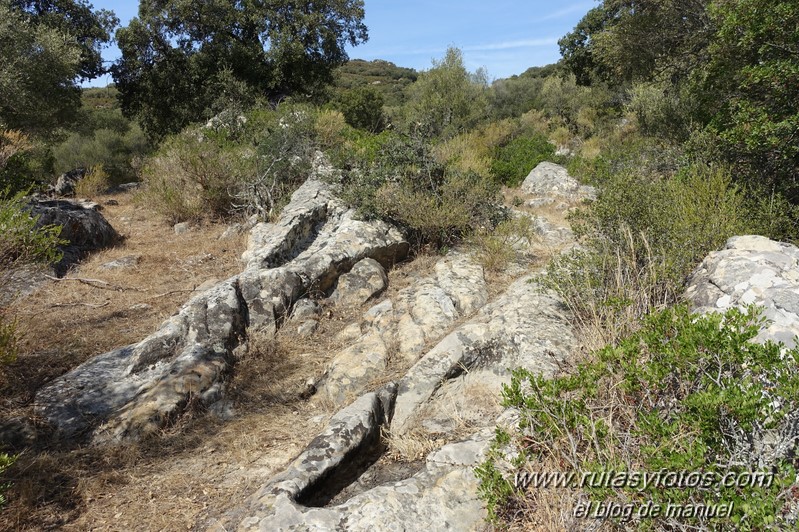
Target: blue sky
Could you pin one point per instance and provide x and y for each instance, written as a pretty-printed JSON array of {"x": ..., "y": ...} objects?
[{"x": 504, "y": 36}]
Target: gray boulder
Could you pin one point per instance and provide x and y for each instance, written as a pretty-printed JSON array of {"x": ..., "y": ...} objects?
[
  {"x": 65, "y": 185},
  {"x": 82, "y": 226}
]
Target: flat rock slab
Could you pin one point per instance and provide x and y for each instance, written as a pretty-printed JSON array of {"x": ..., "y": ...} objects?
[{"x": 752, "y": 270}]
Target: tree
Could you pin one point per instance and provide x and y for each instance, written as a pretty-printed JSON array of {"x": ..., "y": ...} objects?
[
  {"x": 638, "y": 40},
  {"x": 447, "y": 99},
  {"x": 751, "y": 84},
  {"x": 175, "y": 51},
  {"x": 45, "y": 48}
]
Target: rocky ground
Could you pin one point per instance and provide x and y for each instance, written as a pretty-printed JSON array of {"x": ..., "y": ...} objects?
[{"x": 322, "y": 382}]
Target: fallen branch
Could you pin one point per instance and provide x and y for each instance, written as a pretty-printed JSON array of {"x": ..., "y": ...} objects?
[
  {"x": 90, "y": 305},
  {"x": 170, "y": 293},
  {"x": 95, "y": 283}
]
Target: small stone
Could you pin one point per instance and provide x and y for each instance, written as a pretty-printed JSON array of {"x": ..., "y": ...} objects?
[
  {"x": 123, "y": 262},
  {"x": 307, "y": 328},
  {"x": 182, "y": 228},
  {"x": 306, "y": 309},
  {"x": 111, "y": 202}
]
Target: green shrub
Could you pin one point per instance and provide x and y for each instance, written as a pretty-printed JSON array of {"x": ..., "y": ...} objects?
[
  {"x": 6, "y": 461},
  {"x": 20, "y": 241},
  {"x": 514, "y": 161},
  {"x": 642, "y": 237},
  {"x": 117, "y": 151},
  {"x": 191, "y": 175},
  {"x": 25, "y": 163},
  {"x": 498, "y": 247},
  {"x": 685, "y": 393},
  {"x": 405, "y": 184},
  {"x": 362, "y": 108}
]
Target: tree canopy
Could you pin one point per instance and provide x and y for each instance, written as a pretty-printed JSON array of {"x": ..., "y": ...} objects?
[
  {"x": 177, "y": 54},
  {"x": 46, "y": 47}
]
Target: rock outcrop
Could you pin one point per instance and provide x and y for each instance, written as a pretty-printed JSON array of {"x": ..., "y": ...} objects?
[
  {"x": 82, "y": 226},
  {"x": 752, "y": 270},
  {"x": 134, "y": 390},
  {"x": 450, "y": 394},
  {"x": 424, "y": 365},
  {"x": 399, "y": 328},
  {"x": 550, "y": 183}
]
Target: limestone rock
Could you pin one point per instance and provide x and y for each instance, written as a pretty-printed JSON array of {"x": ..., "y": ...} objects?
[
  {"x": 524, "y": 327},
  {"x": 550, "y": 180},
  {"x": 305, "y": 309},
  {"x": 421, "y": 313},
  {"x": 366, "y": 280},
  {"x": 132, "y": 391},
  {"x": 82, "y": 226},
  {"x": 752, "y": 269}
]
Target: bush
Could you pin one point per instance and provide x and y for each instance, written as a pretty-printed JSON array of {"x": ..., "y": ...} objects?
[
  {"x": 642, "y": 237},
  {"x": 20, "y": 241},
  {"x": 6, "y": 461},
  {"x": 192, "y": 174},
  {"x": 406, "y": 185},
  {"x": 685, "y": 393},
  {"x": 362, "y": 108},
  {"x": 515, "y": 160},
  {"x": 24, "y": 162},
  {"x": 93, "y": 183},
  {"x": 117, "y": 151},
  {"x": 497, "y": 247}
]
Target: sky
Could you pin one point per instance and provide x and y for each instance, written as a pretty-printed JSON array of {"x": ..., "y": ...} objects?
[{"x": 505, "y": 37}]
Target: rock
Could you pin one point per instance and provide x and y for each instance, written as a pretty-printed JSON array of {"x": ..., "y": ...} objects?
[
  {"x": 123, "y": 262},
  {"x": 182, "y": 228},
  {"x": 307, "y": 328},
  {"x": 525, "y": 327},
  {"x": 420, "y": 313},
  {"x": 366, "y": 280},
  {"x": 82, "y": 226},
  {"x": 752, "y": 269},
  {"x": 305, "y": 309},
  {"x": 131, "y": 392},
  {"x": 111, "y": 203},
  {"x": 65, "y": 185},
  {"x": 550, "y": 180}
]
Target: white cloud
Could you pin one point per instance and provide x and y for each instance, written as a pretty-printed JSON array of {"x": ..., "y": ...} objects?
[
  {"x": 582, "y": 6},
  {"x": 507, "y": 45}
]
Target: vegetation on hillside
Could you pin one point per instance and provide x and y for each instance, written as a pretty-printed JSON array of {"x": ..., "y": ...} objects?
[{"x": 683, "y": 113}]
